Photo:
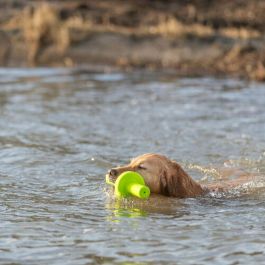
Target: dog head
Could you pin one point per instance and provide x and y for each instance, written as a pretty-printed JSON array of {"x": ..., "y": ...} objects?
[{"x": 161, "y": 175}]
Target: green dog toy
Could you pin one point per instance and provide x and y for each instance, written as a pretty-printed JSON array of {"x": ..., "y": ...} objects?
[{"x": 130, "y": 183}]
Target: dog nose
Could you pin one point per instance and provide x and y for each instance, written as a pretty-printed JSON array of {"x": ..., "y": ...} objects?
[{"x": 113, "y": 172}]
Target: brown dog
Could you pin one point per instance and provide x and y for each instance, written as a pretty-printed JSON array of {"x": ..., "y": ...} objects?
[{"x": 166, "y": 177}]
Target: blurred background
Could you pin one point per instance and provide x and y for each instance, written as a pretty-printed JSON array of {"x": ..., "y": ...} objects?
[{"x": 191, "y": 37}]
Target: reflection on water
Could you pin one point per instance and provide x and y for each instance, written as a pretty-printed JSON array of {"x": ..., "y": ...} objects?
[
  {"x": 61, "y": 129},
  {"x": 134, "y": 207},
  {"x": 129, "y": 212}
]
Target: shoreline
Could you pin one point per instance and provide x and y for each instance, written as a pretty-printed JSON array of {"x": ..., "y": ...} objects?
[{"x": 194, "y": 39}]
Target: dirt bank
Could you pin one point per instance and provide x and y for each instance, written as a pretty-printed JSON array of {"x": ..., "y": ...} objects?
[{"x": 193, "y": 37}]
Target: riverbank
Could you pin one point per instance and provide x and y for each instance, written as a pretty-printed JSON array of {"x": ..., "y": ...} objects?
[{"x": 194, "y": 38}]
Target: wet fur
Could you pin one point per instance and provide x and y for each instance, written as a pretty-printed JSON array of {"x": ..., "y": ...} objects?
[
  {"x": 167, "y": 177},
  {"x": 177, "y": 183}
]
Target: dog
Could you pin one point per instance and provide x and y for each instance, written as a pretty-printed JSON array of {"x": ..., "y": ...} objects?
[{"x": 166, "y": 177}]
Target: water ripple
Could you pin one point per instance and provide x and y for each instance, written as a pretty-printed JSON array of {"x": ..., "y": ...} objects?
[{"x": 61, "y": 129}]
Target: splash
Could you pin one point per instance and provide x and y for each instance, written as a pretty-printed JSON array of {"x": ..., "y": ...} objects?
[{"x": 250, "y": 188}]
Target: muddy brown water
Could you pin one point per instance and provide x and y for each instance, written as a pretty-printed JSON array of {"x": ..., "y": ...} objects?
[{"x": 61, "y": 129}]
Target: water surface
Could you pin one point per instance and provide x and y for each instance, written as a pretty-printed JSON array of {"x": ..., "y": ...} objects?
[{"x": 61, "y": 129}]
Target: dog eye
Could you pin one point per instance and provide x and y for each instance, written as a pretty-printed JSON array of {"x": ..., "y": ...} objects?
[{"x": 141, "y": 167}]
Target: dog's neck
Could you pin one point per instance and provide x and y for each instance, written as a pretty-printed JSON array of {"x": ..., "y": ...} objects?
[
  {"x": 186, "y": 186},
  {"x": 190, "y": 188}
]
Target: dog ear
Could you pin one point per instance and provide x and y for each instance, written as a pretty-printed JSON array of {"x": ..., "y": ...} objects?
[
  {"x": 175, "y": 182},
  {"x": 169, "y": 182},
  {"x": 164, "y": 185}
]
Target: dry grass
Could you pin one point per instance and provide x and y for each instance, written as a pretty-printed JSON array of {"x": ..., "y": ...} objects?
[
  {"x": 169, "y": 26},
  {"x": 42, "y": 26},
  {"x": 239, "y": 33}
]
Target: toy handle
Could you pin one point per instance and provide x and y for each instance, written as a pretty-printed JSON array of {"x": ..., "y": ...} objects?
[{"x": 138, "y": 190}]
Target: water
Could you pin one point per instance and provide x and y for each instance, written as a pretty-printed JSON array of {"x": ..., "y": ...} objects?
[{"x": 61, "y": 129}]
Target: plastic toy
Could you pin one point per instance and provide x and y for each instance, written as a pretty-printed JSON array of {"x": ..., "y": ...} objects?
[{"x": 130, "y": 183}]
